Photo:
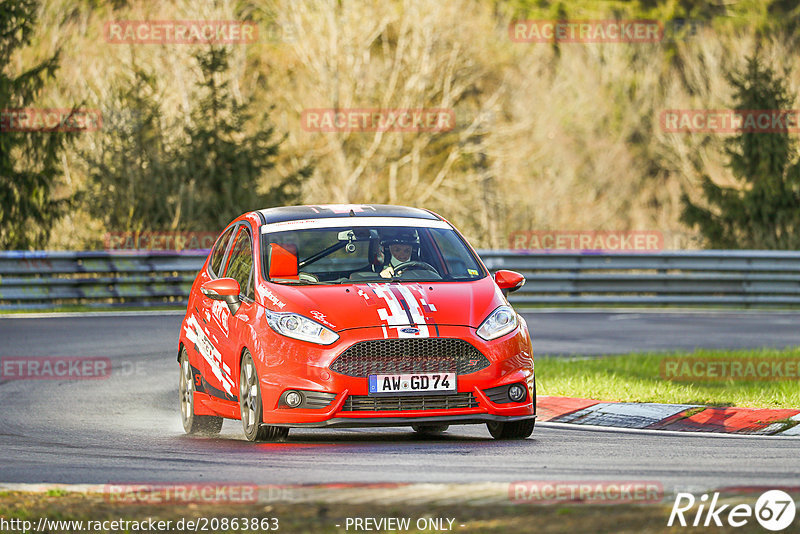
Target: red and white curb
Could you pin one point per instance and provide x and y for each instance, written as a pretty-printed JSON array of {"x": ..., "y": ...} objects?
[{"x": 675, "y": 417}]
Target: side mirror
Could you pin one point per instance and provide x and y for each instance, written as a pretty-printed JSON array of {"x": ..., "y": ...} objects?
[
  {"x": 226, "y": 289},
  {"x": 508, "y": 281}
]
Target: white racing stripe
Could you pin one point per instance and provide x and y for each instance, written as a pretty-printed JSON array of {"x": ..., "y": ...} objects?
[
  {"x": 212, "y": 356},
  {"x": 395, "y": 316},
  {"x": 416, "y": 312}
]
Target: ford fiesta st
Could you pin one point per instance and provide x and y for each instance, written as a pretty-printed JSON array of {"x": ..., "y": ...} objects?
[{"x": 352, "y": 316}]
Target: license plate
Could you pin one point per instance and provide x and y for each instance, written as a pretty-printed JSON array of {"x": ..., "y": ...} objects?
[{"x": 412, "y": 383}]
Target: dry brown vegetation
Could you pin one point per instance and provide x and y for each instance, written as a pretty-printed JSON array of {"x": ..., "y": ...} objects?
[{"x": 546, "y": 138}]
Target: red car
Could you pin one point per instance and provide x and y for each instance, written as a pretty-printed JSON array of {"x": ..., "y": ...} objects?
[{"x": 352, "y": 316}]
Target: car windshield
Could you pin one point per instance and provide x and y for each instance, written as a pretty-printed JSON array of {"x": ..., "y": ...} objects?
[{"x": 355, "y": 254}]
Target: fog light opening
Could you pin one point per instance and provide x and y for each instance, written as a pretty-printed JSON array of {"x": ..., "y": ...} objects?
[
  {"x": 293, "y": 399},
  {"x": 516, "y": 393}
]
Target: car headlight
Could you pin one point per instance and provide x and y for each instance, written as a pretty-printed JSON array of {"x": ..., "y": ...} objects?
[
  {"x": 499, "y": 323},
  {"x": 300, "y": 327}
]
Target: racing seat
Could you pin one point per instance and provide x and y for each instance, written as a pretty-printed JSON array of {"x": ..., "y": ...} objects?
[{"x": 283, "y": 262}]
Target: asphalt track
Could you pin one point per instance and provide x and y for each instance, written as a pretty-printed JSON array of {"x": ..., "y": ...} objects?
[{"x": 126, "y": 428}]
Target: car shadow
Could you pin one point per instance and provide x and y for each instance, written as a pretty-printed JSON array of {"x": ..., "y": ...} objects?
[{"x": 371, "y": 438}]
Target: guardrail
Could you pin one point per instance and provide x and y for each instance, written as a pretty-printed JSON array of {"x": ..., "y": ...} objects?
[
  {"x": 30, "y": 280},
  {"x": 686, "y": 278}
]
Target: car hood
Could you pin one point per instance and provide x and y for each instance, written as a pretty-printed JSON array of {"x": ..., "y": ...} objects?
[{"x": 392, "y": 304}]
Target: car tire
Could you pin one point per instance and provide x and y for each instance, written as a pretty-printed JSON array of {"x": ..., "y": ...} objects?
[
  {"x": 429, "y": 430},
  {"x": 192, "y": 423},
  {"x": 251, "y": 407},
  {"x": 511, "y": 430}
]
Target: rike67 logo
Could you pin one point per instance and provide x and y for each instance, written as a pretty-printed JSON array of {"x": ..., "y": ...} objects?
[{"x": 774, "y": 510}]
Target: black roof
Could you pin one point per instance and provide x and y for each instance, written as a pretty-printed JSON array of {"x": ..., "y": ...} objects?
[{"x": 330, "y": 211}]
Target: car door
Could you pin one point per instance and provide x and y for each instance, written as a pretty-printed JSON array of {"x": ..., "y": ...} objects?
[
  {"x": 240, "y": 268},
  {"x": 217, "y": 381}
]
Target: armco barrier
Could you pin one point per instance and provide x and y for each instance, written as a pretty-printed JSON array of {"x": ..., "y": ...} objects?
[
  {"x": 30, "y": 280},
  {"x": 689, "y": 278},
  {"x": 686, "y": 278}
]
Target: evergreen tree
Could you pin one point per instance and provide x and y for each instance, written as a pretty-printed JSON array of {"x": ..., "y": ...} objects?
[
  {"x": 132, "y": 183},
  {"x": 223, "y": 165},
  {"x": 29, "y": 161},
  {"x": 764, "y": 213}
]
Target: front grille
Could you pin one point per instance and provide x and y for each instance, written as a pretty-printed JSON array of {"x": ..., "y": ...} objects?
[
  {"x": 411, "y": 355},
  {"x": 365, "y": 403}
]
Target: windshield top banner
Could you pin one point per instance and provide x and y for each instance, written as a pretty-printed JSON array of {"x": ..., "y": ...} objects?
[{"x": 349, "y": 222}]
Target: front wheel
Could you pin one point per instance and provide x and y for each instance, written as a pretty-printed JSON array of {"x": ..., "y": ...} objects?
[
  {"x": 193, "y": 424},
  {"x": 511, "y": 430},
  {"x": 251, "y": 407}
]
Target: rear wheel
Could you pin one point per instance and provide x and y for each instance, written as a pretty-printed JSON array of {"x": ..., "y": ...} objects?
[
  {"x": 429, "y": 430},
  {"x": 511, "y": 430},
  {"x": 251, "y": 407},
  {"x": 193, "y": 424}
]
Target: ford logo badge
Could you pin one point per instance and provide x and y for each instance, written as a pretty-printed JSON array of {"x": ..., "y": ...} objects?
[{"x": 410, "y": 330}]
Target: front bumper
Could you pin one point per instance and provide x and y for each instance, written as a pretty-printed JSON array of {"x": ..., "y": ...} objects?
[
  {"x": 308, "y": 368},
  {"x": 366, "y": 422}
]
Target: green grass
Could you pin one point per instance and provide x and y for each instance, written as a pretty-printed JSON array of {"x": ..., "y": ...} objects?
[{"x": 637, "y": 378}]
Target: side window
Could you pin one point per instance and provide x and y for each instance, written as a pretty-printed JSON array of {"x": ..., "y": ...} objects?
[
  {"x": 240, "y": 266},
  {"x": 219, "y": 252}
]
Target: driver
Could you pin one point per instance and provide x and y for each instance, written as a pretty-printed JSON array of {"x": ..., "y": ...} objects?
[{"x": 397, "y": 250}]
